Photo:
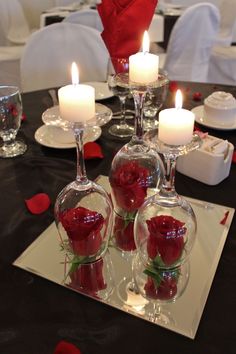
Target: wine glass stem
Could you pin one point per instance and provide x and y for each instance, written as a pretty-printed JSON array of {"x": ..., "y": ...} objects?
[
  {"x": 122, "y": 109},
  {"x": 81, "y": 176},
  {"x": 139, "y": 104},
  {"x": 168, "y": 185}
]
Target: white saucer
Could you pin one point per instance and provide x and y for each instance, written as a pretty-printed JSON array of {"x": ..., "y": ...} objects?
[
  {"x": 46, "y": 136},
  {"x": 102, "y": 91},
  {"x": 199, "y": 118}
]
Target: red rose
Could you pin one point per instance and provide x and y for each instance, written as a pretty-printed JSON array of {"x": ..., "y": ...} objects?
[
  {"x": 129, "y": 184},
  {"x": 88, "y": 278},
  {"x": 166, "y": 238},
  {"x": 166, "y": 290},
  {"x": 83, "y": 228},
  {"x": 124, "y": 233}
]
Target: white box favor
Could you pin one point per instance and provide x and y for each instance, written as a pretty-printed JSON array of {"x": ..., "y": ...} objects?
[{"x": 209, "y": 164}]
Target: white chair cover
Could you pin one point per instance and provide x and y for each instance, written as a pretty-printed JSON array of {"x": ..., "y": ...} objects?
[
  {"x": 227, "y": 22},
  {"x": 33, "y": 9},
  {"x": 222, "y": 68},
  {"x": 10, "y": 65},
  {"x": 14, "y": 26},
  {"x": 87, "y": 17},
  {"x": 66, "y": 2},
  {"x": 49, "y": 53},
  {"x": 190, "y": 43}
]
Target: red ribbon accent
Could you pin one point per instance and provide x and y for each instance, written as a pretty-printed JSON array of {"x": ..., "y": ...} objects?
[
  {"x": 64, "y": 347},
  {"x": 223, "y": 221},
  {"x": 234, "y": 157},
  {"x": 38, "y": 203}
]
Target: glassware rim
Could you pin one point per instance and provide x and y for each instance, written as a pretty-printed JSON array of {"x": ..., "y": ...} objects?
[{"x": 15, "y": 90}]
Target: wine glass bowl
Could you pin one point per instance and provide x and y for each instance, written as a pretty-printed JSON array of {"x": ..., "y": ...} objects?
[
  {"x": 115, "y": 67},
  {"x": 83, "y": 218},
  {"x": 165, "y": 231},
  {"x": 10, "y": 121}
]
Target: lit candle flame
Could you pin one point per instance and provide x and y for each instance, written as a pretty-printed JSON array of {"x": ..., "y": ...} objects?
[
  {"x": 74, "y": 74},
  {"x": 178, "y": 100},
  {"x": 145, "y": 42}
]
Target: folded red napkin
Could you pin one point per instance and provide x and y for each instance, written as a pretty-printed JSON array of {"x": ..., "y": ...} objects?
[
  {"x": 64, "y": 347},
  {"x": 124, "y": 23},
  {"x": 92, "y": 151},
  {"x": 38, "y": 203}
]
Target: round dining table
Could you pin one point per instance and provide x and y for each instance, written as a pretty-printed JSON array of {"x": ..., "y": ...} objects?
[{"x": 36, "y": 314}]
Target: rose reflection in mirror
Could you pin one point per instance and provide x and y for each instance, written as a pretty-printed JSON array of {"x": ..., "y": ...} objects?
[{"x": 95, "y": 279}]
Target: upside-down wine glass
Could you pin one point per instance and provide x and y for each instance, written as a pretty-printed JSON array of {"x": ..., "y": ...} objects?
[
  {"x": 83, "y": 210},
  {"x": 116, "y": 66},
  {"x": 165, "y": 225},
  {"x": 136, "y": 170},
  {"x": 10, "y": 121}
]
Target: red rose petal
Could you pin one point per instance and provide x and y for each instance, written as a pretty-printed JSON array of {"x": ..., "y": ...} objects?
[
  {"x": 38, "y": 203},
  {"x": 197, "y": 96},
  {"x": 223, "y": 221},
  {"x": 173, "y": 86},
  {"x": 64, "y": 347},
  {"x": 92, "y": 151},
  {"x": 234, "y": 157}
]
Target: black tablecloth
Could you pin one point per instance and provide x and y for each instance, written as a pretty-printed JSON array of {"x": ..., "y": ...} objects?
[{"x": 35, "y": 313}]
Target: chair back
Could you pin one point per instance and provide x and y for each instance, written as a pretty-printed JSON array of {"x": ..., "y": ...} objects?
[
  {"x": 14, "y": 28},
  {"x": 227, "y": 22},
  {"x": 48, "y": 55},
  {"x": 190, "y": 43},
  {"x": 86, "y": 17}
]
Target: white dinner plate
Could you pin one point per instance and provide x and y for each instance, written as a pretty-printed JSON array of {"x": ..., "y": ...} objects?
[
  {"x": 201, "y": 119},
  {"x": 102, "y": 91},
  {"x": 46, "y": 135}
]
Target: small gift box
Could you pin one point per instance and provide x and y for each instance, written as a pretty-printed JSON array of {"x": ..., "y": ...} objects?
[{"x": 209, "y": 164}]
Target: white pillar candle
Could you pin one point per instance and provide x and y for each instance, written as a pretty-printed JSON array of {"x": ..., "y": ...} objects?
[
  {"x": 176, "y": 124},
  {"x": 143, "y": 66},
  {"x": 76, "y": 102}
]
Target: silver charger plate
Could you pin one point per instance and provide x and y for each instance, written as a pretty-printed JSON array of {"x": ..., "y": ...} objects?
[{"x": 44, "y": 258}]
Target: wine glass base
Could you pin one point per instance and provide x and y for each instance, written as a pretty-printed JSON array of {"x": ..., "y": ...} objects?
[
  {"x": 160, "y": 315},
  {"x": 15, "y": 149},
  {"x": 121, "y": 130},
  {"x": 130, "y": 296}
]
